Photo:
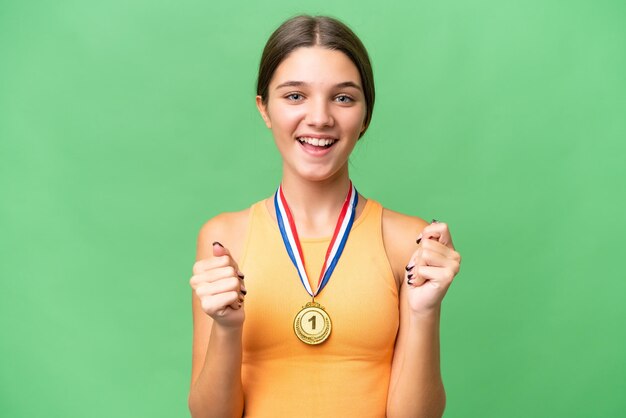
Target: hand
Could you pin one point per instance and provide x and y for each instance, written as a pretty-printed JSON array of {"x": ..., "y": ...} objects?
[
  {"x": 218, "y": 283},
  {"x": 432, "y": 268}
]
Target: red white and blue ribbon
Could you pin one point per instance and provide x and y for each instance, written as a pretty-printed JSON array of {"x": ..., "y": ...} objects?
[{"x": 289, "y": 233}]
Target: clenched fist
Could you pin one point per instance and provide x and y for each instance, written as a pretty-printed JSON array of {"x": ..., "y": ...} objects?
[
  {"x": 432, "y": 268},
  {"x": 218, "y": 283}
]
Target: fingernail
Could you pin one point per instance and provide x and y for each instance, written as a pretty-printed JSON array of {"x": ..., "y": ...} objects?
[
  {"x": 408, "y": 268},
  {"x": 409, "y": 276},
  {"x": 240, "y": 305},
  {"x": 244, "y": 291},
  {"x": 240, "y": 275},
  {"x": 409, "y": 282},
  {"x": 434, "y": 221},
  {"x": 419, "y": 238},
  {"x": 218, "y": 244}
]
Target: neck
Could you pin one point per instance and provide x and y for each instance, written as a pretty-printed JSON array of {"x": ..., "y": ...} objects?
[{"x": 315, "y": 205}]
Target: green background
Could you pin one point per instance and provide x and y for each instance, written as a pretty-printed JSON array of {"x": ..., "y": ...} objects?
[{"x": 125, "y": 125}]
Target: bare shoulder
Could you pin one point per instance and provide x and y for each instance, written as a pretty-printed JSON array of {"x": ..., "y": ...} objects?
[
  {"x": 228, "y": 228},
  {"x": 399, "y": 234},
  {"x": 402, "y": 223}
]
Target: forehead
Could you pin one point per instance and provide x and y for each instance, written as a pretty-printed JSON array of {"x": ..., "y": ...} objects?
[{"x": 316, "y": 65}]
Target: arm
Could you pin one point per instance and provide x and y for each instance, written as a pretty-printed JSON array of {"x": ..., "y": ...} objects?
[
  {"x": 416, "y": 387},
  {"x": 216, "y": 388}
]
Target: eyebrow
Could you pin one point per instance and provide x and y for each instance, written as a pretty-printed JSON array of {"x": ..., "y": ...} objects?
[{"x": 302, "y": 83}]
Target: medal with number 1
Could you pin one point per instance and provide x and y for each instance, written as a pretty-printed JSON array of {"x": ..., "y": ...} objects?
[{"x": 312, "y": 323}]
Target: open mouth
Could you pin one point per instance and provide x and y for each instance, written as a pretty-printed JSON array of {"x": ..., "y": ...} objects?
[{"x": 317, "y": 142}]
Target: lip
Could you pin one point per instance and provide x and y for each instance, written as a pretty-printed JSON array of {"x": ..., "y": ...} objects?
[{"x": 316, "y": 151}]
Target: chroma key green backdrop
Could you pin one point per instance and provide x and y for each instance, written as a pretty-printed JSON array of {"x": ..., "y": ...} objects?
[{"x": 126, "y": 124}]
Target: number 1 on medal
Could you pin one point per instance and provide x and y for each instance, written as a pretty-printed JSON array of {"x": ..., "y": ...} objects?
[{"x": 305, "y": 324}]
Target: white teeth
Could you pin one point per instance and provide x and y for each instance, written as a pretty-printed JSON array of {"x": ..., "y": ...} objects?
[{"x": 316, "y": 141}]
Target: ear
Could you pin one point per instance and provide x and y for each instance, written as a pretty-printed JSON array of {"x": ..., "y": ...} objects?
[
  {"x": 263, "y": 111},
  {"x": 363, "y": 128}
]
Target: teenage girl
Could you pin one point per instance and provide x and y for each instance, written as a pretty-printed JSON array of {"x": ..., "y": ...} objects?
[{"x": 317, "y": 301}]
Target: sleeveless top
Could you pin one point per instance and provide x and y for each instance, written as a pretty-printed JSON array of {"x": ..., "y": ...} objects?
[{"x": 348, "y": 374}]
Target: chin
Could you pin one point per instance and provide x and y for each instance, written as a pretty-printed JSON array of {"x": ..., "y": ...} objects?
[{"x": 317, "y": 174}]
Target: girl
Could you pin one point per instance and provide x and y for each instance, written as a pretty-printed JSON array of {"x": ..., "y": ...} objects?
[{"x": 317, "y": 301}]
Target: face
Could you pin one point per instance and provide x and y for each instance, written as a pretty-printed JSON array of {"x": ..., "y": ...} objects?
[{"x": 316, "y": 111}]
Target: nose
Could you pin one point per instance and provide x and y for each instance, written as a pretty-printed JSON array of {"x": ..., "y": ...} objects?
[{"x": 319, "y": 114}]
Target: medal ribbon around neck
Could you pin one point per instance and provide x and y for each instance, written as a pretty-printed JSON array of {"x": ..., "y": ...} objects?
[{"x": 292, "y": 241}]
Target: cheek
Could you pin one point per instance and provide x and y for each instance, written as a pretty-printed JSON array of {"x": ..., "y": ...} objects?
[
  {"x": 286, "y": 119},
  {"x": 353, "y": 121}
]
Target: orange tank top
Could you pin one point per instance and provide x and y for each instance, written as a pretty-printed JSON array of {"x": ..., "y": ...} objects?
[{"x": 348, "y": 374}]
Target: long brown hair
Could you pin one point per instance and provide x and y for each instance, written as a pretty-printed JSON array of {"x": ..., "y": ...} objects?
[{"x": 324, "y": 31}]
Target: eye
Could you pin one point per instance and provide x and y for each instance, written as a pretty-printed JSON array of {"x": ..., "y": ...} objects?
[
  {"x": 294, "y": 97},
  {"x": 344, "y": 99}
]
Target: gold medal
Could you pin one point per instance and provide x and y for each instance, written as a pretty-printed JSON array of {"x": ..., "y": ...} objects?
[{"x": 312, "y": 324}]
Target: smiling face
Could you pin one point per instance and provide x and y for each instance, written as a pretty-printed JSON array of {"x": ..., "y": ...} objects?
[{"x": 316, "y": 110}]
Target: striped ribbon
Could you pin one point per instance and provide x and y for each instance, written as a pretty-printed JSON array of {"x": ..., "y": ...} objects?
[{"x": 292, "y": 242}]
